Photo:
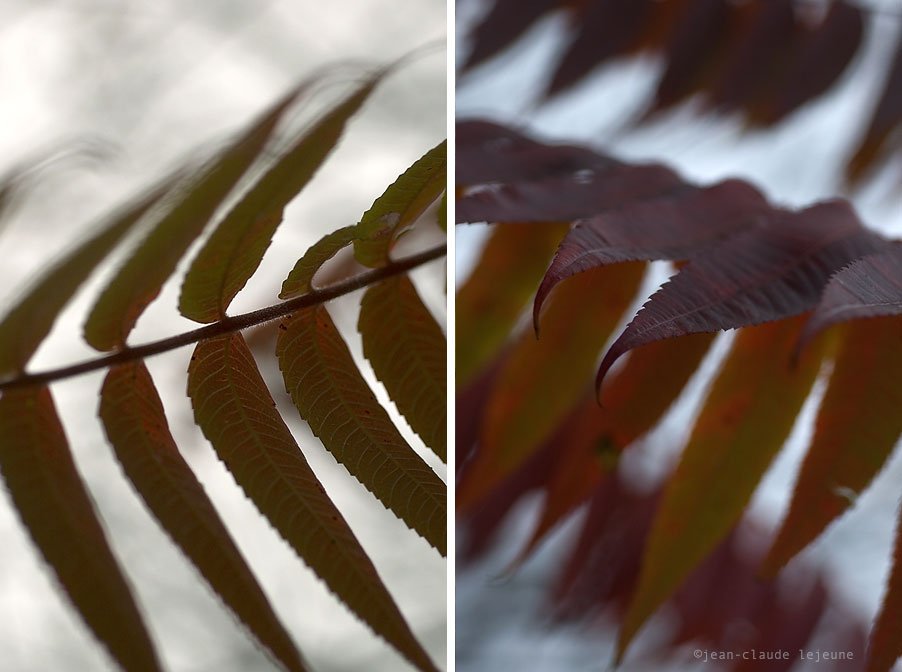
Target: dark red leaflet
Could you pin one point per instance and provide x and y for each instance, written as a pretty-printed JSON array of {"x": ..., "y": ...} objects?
[
  {"x": 754, "y": 57},
  {"x": 772, "y": 272},
  {"x": 675, "y": 226},
  {"x": 470, "y": 403},
  {"x": 868, "y": 287},
  {"x": 506, "y": 22},
  {"x": 609, "y": 28},
  {"x": 559, "y": 199},
  {"x": 821, "y": 56},
  {"x": 488, "y": 153},
  {"x": 693, "y": 50},
  {"x": 886, "y": 119}
]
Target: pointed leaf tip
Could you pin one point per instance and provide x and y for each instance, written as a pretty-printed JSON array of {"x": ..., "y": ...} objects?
[{"x": 236, "y": 412}]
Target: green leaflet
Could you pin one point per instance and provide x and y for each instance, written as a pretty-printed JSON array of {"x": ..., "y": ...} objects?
[
  {"x": 747, "y": 415},
  {"x": 136, "y": 426},
  {"x": 407, "y": 349},
  {"x": 443, "y": 212},
  {"x": 336, "y": 402},
  {"x": 28, "y": 323},
  {"x": 399, "y": 207},
  {"x": 56, "y": 509},
  {"x": 234, "y": 250},
  {"x": 237, "y": 414},
  {"x": 300, "y": 280},
  {"x": 140, "y": 279},
  {"x": 857, "y": 426}
]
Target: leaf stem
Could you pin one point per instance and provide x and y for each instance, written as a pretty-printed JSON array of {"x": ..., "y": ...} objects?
[{"x": 230, "y": 324}]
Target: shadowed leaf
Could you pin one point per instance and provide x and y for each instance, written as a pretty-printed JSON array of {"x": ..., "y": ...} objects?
[
  {"x": 485, "y": 152},
  {"x": 27, "y": 324},
  {"x": 506, "y": 21},
  {"x": 300, "y": 280},
  {"x": 332, "y": 396},
  {"x": 136, "y": 426},
  {"x": 237, "y": 414},
  {"x": 140, "y": 279},
  {"x": 885, "y": 646},
  {"x": 746, "y": 417},
  {"x": 823, "y": 54},
  {"x": 407, "y": 349},
  {"x": 577, "y": 195},
  {"x": 493, "y": 297},
  {"x": 56, "y": 509},
  {"x": 396, "y": 210},
  {"x": 237, "y": 245},
  {"x": 769, "y": 273},
  {"x": 857, "y": 426},
  {"x": 675, "y": 226},
  {"x": 604, "y": 30}
]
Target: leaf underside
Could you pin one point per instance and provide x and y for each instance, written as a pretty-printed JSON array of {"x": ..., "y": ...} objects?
[
  {"x": 136, "y": 426},
  {"x": 300, "y": 280},
  {"x": 237, "y": 414},
  {"x": 885, "y": 646},
  {"x": 332, "y": 397},
  {"x": 237, "y": 245},
  {"x": 399, "y": 207},
  {"x": 139, "y": 280},
  {"x": 407, "y": 350},
  {"x": 56, "y": 509}
]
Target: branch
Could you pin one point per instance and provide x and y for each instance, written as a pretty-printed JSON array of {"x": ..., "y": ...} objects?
[{"x": 229, "y": 324}]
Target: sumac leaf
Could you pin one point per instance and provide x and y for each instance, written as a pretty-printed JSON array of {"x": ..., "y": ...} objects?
[
  {"x": 136, "y": 427},
  {"x": 769, "y": 273},
  {"x": 300, "y": 280},
  {"x": 139, "y": 280},
  {"x": 885, "y": 645},
  {"x": 748, "y": 414},
  {"x": 395, "y": 211},
  {"x": 236, "y": 247},
  {"x": 868, "y": 287},
  {"x": 493, "y": 296},
  {"x": 543, "y": 378},
  {"x": 407, "y": 350},
  {"x": 27, "y": 324},
  {"x": 55, "y": 507},
  {"x": 237, "y": 414},
  {"x": 334, "y": 399},
  {"x": 675, "y": 226},
  {"x": 857, "y": 426}
]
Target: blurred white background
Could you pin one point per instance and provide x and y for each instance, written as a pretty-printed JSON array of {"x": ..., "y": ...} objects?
[
  {"x": 143, "y": 84},
  {"x": 503, "y": 623}
]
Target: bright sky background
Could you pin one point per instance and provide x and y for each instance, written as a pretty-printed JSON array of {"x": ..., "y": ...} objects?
[{"x": 148, "y": 83}]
